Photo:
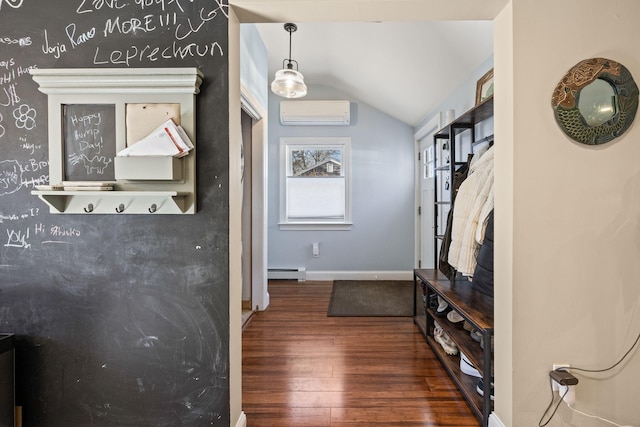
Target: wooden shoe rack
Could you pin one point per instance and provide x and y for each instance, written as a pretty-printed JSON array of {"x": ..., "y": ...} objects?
[{"x": 476, "y": 309}]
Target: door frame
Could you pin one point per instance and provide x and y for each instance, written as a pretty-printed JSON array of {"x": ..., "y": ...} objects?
[
  {"x": 259, "y": 167},
  {"x": 429, "y": 128}
]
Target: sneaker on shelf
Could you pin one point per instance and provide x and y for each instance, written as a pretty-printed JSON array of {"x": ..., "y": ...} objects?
[
  {"x": 443, "y": 307},
  {"x": 476, "y": 335},
  {"x": 437, "y": 330},
  {"x": 454, "y": 317},
  {"x": 467, "y": 367},
  {"x": 467, "y": 326},
  {"x": 480, "y": 389},
  {"x": 443, "y": 339}
]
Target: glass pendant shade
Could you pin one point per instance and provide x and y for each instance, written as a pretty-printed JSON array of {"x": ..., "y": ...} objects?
[{"x": 289, "y": 83}]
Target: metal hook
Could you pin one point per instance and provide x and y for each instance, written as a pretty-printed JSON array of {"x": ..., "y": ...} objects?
[
  {"x": 120, "y": 208},
  {"x": 153, "y": 208},
  {"x": 89, "y": 208}
]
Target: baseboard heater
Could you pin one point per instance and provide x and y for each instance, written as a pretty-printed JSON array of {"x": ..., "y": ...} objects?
[{"x": 299, "y": 273}]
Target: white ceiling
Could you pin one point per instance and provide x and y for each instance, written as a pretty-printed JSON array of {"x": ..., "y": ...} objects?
[{"x": 403, "y": 69}]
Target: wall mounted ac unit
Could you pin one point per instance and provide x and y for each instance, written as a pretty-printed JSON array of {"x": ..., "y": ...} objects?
[{"x": 315, "y": 113}]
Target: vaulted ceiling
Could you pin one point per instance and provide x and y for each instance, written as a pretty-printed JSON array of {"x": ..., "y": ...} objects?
[{"x": 405, "y": 69}]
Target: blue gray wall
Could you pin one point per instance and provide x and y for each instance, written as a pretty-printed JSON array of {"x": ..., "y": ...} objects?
[
  {"x": 382, "y": 236},
  {"x": 463, "y": 99},
  {"x": 253, "y": 63}
]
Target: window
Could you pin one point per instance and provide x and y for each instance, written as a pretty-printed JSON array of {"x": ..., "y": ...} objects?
[
  {"x": 428, "y": 160},
  {"x": 315, "y": 183}
]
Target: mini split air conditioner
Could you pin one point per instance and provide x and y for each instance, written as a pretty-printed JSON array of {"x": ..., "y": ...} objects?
[{"x": 315, "y": 113}]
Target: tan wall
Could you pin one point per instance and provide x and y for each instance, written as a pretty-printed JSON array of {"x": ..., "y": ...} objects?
[
  {"x": 503, "y": 129},
  {"x": 573, "y": 250},
  {"x": 235, "y": 226}
]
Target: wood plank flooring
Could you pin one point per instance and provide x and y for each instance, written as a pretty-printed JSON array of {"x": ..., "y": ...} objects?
[{"x": 304, "y": 369}]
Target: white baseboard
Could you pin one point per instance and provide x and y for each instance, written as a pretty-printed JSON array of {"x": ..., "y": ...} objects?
[
  {"x": 494, "y": 421},
  {"x": 298, "y": 273},
  {"x": 242, "y": 420},
  {"x": 360, "y": 275}
]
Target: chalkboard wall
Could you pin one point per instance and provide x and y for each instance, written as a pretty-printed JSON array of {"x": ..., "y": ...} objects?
[{"x": 119, "y": 320}]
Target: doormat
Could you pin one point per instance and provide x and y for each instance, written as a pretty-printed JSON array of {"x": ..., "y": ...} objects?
[{"x": 375, "y": 298}]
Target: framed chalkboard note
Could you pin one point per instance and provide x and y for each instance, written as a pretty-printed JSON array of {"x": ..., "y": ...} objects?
[{"x": 89, "y": 135}]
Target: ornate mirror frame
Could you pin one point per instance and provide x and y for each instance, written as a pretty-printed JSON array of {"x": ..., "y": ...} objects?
[{"x": 566, "y": 97}]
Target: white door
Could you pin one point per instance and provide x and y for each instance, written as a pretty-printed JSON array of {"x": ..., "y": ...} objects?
[
  {"x": 424, "y": 185},
  {"x": 426, "y": 203}
]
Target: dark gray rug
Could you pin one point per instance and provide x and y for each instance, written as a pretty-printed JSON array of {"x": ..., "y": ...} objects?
[{"x": 371, "y": 298}]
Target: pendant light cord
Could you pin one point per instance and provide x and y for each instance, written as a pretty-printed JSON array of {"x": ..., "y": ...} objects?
[{"x": 290, "y": 32}]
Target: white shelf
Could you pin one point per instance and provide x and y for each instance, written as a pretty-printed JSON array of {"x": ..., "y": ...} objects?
[{"x": 117, "y": 202}]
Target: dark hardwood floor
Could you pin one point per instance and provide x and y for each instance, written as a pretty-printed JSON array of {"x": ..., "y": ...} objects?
[{"x": 302, "y": 368}]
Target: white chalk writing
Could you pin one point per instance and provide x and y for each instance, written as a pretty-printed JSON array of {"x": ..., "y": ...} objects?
[
  {"x": 11, "y": 3},
  {"x": 30, "y": 147},
  {"x": 55, "y": 49},
  {"x": 39, "y": 229},
  {"x": 78, "y": 39},
  {"x": 164, "y": 3},
  {"x": 95, "y": 164},
  {"x": 195, "y": 25},
  {"x": 21, "y": 237},
  {"x": 11, "y": 74},
  {"x": 86, "y": 120},
  {"x": 89, "y": 140},
  {"x": 18, "y": 239},
  {"x": 168, "y": 19},
  {"x": 62, "y": 231},
  {"x": 11, "y": 95},
  {"x": 131, "y": 25},
  {"x": 25, "y": 117},
  {"x": 34, "y": 181},
  {"x": 13, "y": 175},
  {"x": 87, "y": 6},
  {"x": 32, "y": 212},
  {"x": 92, "y": 146},
  {"x": 134, "y": 54},
  {"x": 34, "y": 165},
  {"x": 22, "y": 41},
  {"x": 7, "y": 64},
  {"x": 10, "y": 176}
]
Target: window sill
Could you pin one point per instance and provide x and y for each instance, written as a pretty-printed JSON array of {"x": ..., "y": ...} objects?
[{"x": 302, "y": 226}]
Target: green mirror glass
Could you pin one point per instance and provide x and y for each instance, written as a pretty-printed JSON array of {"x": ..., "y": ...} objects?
[{"x": 596, "y": 101}]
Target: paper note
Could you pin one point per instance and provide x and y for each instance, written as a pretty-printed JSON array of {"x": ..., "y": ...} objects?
[{"x": 167, "y": 139}]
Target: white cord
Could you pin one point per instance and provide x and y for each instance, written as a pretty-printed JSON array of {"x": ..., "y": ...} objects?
[{"x": 596, "y": 417}]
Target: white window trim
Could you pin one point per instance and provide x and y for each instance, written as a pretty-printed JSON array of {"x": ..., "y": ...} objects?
[{"x": 319, "y": 224}]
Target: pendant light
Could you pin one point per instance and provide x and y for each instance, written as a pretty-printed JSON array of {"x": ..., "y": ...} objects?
[{"x": 289, "y": 83}]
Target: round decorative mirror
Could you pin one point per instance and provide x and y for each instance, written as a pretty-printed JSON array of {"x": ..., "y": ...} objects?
[{"x": 596, "y": 101}]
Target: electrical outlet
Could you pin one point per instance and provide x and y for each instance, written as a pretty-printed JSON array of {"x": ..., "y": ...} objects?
[
  {"x": 555, "y": 385},
  {"x": 570, "y": 394},
  {"x": 315, "y": 250}
]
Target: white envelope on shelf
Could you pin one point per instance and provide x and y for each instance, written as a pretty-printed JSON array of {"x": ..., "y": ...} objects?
[{"x": 167, "y": 139}]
